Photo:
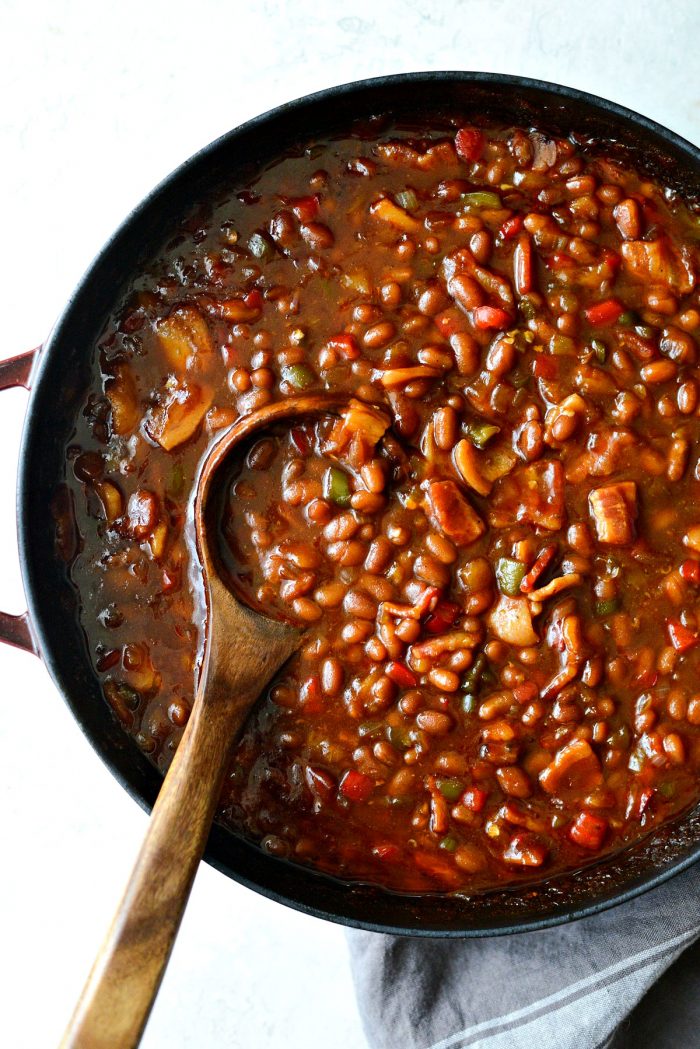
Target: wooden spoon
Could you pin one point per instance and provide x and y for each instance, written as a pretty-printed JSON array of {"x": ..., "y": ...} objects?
[{"x": 243, "y": 649}]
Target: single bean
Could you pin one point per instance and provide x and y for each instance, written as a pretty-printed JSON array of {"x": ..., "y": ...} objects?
[
  {"x": 380, "y": 553},
  {"x": 347, "y": 552},
  {"x": 330, "y": 595},
  {"x": 332, "y": 676},
  {"x": 306, "y": 609},
  {"x": 441, "y": 547},
  {"x": 434, "y": 722},
  {"x": 358, "y": 603},
  {"x": 379, "y": 335},
  {"x": 445, "y": 680}
]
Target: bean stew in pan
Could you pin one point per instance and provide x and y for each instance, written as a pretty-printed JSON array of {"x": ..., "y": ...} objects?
[{"x": 494, "y": 549}]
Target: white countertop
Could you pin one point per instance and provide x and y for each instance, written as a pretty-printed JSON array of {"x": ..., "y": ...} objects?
[{"x": 100, "y": 102}]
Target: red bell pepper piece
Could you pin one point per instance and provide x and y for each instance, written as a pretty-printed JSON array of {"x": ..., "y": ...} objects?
[
  {"x": 680, "y": 636},
  {"x": 647, "y": 679},
  {"x": 311, "y": 695},
  {"x": 253, "y": 300},
  {"x": 320, "y": 783},
  {"x": 588, "y": 830},
  {"x": 690, "y": 570},
  {"x": 389, "y": 853},
  {"x": 346, "y": 345},
  {"x": 428, "y": 600},
  {"x": 603, "y": 313},
  {"x": 526, "y": 692},
  {"x": 511, "y": 227},
  {"x": 487, "y": 317},
  {"x": 449, "y": 322},
  {"x": 612, "y": 258},
  {"x": 559, "y": 261},
  {"x": 442, "y": 617},
  {"x": 300, "y": 439},
  {"x": 544, "y": 368},
  {"x": 638, "y": 802},
  {"x": 525, "y": 850},
  {"x": 400, "y": 674},
  {"x": 469, "y": 143},
  {"x": 474, "y": 798},
  {"x": 305, "y": 208},
  {"x": 355, "y": 786}
]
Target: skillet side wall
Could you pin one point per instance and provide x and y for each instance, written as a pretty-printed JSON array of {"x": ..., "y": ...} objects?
[{"x": 65, "y": 372}]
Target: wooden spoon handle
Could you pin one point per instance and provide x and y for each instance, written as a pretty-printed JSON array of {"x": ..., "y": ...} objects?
[{"x": 120, "y": 990}]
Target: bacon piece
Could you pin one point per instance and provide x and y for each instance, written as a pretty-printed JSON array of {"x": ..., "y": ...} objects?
[
  {"x": 511, "y": 621},
  {"x": 387, "y": 211},
  {"x": 357, "y": 432},
  {"x": 120, "y": 388},
  {"x": 401, "y": 376},
  {"x": 452, "y": 642},
  {"x": 450, "y": 512},
  {"x": 466, "y": 460},
  {"x": 525, "y": 850},
  {"x": 575, "y": 759},
  {"x": 614, "y": 510},
  {"x": 543, "y": 561},
  {"x": 184, "y": 334},
  {"x": 532, "y": 494},
  {"x": 562, "y": 582},
  {"x": 178, "y": 416},
  {"x": 658, "y": 262},
  {"x": 588, "y": 830},
  {"x": 439, "y": 809}
]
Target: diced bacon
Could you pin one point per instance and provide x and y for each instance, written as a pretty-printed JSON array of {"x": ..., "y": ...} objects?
[
  {"x": 544, "y": 151},
  {"x": 658, "y": 262},
  {"x": 525, "y": 850},
  {"x": 466, "y": 459},
  {"x": 521, "y": 815},
  {"x": 511, "y": 621},
  {"x": 179, "y": 415},
  {"x": 531, "y": 494},
  {"x": 455, "y": 641},
  {"x": 184, "y": 334},
  {"x": 357, "y": 432},
  {"x": 588, "y": 830},
  {"x": 575, "y": 759},
  {"x": 469, "y": 142},
  {"x": 450, "y": 512},
  {"x": 392, "y": 377},
  {"x": 439, "y": 809},
  {"x": 391, "y": 213},
  {"x": 543, "y": 561},
  {"x": 614, "y": 510}
]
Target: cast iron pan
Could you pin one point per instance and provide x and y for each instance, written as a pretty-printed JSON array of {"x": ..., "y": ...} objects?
[{"x": 59, "y": 374}]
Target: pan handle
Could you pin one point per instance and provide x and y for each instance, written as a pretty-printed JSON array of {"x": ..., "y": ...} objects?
[{"x": 17, "y": 371}]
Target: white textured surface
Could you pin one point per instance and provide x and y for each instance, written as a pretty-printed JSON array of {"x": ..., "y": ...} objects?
[{"x": 98, "y": 103}]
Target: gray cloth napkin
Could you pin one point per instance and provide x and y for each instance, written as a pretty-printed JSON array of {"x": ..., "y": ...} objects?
[{"x": 625, "y": 979}]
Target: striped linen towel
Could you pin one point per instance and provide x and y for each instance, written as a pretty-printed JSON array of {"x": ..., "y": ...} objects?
[{"x": 625, "y": 979}]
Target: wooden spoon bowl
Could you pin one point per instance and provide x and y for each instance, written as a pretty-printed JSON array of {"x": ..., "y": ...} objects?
[{"x": 243, "y": 649}]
